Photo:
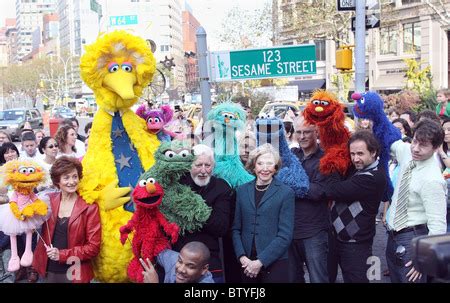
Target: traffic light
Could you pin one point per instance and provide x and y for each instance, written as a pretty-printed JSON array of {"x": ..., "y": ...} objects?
[{"x": 344, "y": 58}]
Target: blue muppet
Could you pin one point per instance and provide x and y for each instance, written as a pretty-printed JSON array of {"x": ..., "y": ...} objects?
[
  {"x": 271, "y": 130},
  {"x": 369, "y": 105}
]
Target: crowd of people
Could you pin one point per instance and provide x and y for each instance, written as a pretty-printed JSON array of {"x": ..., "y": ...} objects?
[{"x": 259, "y": 232}]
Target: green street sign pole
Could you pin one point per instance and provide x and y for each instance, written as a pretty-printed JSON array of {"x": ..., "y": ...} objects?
[{"x": 288, "y": 61}]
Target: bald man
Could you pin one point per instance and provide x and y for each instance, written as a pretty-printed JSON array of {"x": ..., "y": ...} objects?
[{"x": 190, "y": 265}]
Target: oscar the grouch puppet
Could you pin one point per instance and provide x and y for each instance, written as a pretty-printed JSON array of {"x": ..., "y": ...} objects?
[{"x": 180, "y": 204}]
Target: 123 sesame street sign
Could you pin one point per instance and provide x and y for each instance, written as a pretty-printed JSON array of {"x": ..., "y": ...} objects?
[{"x": 263, "y": 63}]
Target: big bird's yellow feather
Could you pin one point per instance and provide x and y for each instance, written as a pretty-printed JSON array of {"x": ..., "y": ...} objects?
[{"x": 99, "y": 168}]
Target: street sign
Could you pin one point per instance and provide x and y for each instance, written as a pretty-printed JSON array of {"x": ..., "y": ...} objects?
[
  {"x": 96, "y": 8},
  {"x": 263, "y": 63},
  {"x": 346, "y": 5},
  {"x": 123, "y": 20},
  {"x": 350, "y": 5},
  {"x": 372, "y": 21},
  {"x": 373, "y": 4}
]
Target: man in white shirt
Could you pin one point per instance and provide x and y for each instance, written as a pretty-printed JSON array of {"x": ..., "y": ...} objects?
[
  {"x": 29, "y": 146},
  {"x": 419, "y": 202}
]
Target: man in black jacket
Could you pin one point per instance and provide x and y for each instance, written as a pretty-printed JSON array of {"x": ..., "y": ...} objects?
[
  {"x": 355, "y": 206},
  {"x": 218, "y": 195},
  {"x": 311, "y": 225}
]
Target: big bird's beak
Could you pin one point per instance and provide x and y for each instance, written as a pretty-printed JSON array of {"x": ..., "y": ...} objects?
[{"x": 121, "y": 83}]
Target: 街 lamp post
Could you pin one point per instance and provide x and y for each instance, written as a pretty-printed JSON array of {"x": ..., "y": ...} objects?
[{"x": 66, "y": 87}]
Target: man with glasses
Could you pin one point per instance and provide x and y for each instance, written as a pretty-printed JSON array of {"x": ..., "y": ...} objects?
[{"x": 311, "y": 223}]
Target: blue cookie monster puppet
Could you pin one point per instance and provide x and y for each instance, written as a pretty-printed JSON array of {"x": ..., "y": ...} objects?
[
  {"x": 271, "y": 130},
  {"x": 369, "y": 105},
  {"x": 222, "y": 123}
]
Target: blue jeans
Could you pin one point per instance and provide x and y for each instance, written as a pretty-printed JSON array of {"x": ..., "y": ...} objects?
[
  {"x": 314, "y": 252},
  {"x": 396, "y": 265}
]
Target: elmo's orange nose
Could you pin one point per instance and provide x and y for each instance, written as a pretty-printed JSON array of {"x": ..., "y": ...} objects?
[{"x": 150, "y": 187}]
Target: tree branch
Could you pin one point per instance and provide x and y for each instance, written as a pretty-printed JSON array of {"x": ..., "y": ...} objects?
[{"x": 444, "y": 18}]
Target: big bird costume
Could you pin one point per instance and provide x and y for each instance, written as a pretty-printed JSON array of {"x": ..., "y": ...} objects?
[{"x": 117, "y": 67}]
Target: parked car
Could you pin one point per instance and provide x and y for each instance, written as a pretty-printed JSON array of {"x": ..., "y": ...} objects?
[
  {"x": 62, "y": 112},
  {"x": 13, "y": 120},
  {"x": 279, "y": 108}
]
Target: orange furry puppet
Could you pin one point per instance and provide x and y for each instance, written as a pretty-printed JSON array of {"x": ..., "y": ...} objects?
[{"x": 325, "y": 111}]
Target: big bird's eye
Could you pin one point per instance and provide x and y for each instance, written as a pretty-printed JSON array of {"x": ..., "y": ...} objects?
[
  {"x": 151, "y": 180},
  {"x": 113, "y": 67},
  {"x": 169, "y": 154},
  {"x": 157, "y": 120},
  {"x": 362, "y": 100},
  {"x": 31, "y": 170},
  {"x": 325, "y": 103},
  {"x": 127, "y": 67},
  {"x": 23, "y": 170},
  {"x": 316, "y": 102},
  {"x": 142, "y": 183},
  {"x": 184, "y": 153}
]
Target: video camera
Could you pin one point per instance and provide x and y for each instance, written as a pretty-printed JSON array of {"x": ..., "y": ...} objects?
[{"x": 431, "y": 256}]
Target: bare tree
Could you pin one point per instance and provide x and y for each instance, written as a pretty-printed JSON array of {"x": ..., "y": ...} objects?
[
  {"x": 441, "y": 9},
  {"x": 244, "y": 29}
]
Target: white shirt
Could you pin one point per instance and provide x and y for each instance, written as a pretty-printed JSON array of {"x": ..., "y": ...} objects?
[
  {"x": 427, "y": 192},
  {"x": 36, "y": 157}
]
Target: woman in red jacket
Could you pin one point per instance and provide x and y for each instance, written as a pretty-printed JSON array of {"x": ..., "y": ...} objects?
[{"x": 71, "y": 237}]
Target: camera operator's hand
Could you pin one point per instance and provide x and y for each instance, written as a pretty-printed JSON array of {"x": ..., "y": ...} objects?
[{"x": 413, "y": 274}]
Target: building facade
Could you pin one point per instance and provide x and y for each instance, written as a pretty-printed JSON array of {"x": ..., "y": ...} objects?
[
  {"x": 409, "y": 29},
  {"x": 29, "y": 14},
  {"x": 78, "y": 25},
  {"x": 190, "y": 26},
  {"x": 11, "y": 36},
  {"x": 159, "y": 21}
]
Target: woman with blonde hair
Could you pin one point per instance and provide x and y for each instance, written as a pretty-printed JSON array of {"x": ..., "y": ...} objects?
[{"x": 264, "y": 220}]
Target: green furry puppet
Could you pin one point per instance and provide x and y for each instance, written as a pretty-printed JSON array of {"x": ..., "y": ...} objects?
[{"x": 180, "y": 204}]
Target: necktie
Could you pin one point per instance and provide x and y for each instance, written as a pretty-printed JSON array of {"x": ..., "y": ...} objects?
[
  {"x": 128, "y": 164},
  {"x": 401, "y": 213}
]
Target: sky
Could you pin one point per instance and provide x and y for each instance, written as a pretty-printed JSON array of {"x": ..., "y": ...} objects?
[{"x": 209, "y": 13}]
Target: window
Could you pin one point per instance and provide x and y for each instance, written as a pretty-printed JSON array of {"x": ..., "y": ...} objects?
[
  {"x": 320, "y": 50},
  {"x": 388, "y": 40},
  {"x": 411, "y": 37}
]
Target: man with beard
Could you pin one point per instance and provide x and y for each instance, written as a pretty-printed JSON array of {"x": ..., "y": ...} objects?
[
  {"x": 218, "y": 195},
  {"x": 189, "y": 266}
]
